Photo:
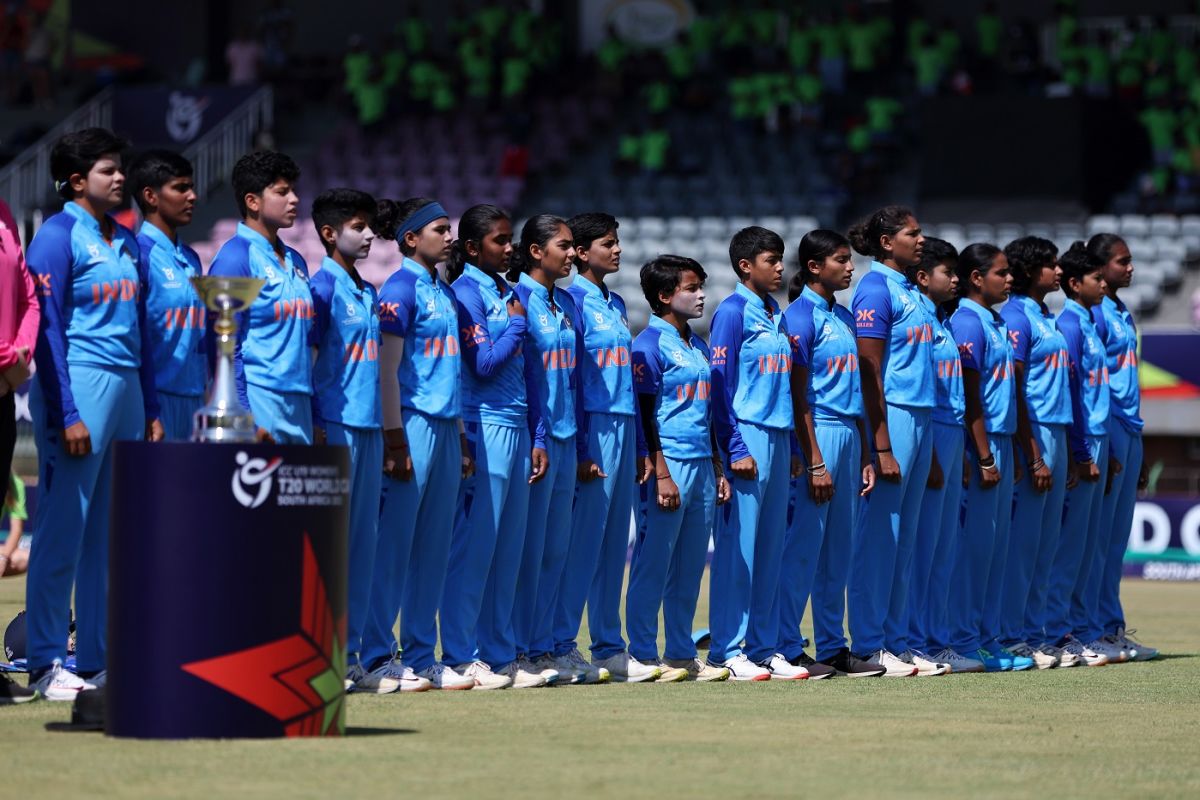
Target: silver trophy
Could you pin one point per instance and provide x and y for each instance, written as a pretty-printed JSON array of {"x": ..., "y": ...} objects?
[{"x": 224, "y": 419}]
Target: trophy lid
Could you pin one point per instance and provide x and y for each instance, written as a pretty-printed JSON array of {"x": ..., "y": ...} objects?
[{"x": 227, "y": 293}]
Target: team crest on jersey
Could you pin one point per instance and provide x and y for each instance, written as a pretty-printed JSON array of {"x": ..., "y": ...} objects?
[
  {"x": 545, "y": 320},
  {"x": 350, "y": 309},
  {"x": 677, "y": 355},
  {"x": 905, "y": 300},
  {"x": 169, "y": 273},
  {"x": 828, "y": 330},
  {"x": 270, "y": 271},
  {"x": 94, "y": 250}
]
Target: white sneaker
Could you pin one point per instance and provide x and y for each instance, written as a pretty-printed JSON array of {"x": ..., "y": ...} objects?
[
  {"x": 99, "y": 680},
  {"x": 742, "y": 668},
  {"x": 483, "y": 676},
  {"x": 441, "y": 676},
  {"x": 669, "y": 674},
  {"x": 542, "y": 665},
  {"x": 521, "y": 677},
  {"x": 957, "y": 662},
  {"x": 1086, "y": 655},
  {"x": 580, "y": 669},
  {"x": 60, "y": 686},
  {"x": 927, "y": 666},
  {"x": 1137, "y": 650},
  {"x": 378, "y": 681},
  {"x": 782, "y": 670},
  {"x": 1041, "y": 659},
  {"x": 699, "y": 671},
  {"x": 894, "y": 667},
  {"x": 1065, "y": 659},
  {"x": 1109, "y": 649},
  {"x": 624, "y": 668},
  {"x": 409, "y": 680}
]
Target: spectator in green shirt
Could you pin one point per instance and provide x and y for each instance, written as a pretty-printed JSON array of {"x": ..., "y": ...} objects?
[
  {"x": 988, "y": 31},
  {"x": 14, "y": 559}
]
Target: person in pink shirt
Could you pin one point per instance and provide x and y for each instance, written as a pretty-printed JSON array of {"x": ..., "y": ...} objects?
[{"x": 19, "y": 317}]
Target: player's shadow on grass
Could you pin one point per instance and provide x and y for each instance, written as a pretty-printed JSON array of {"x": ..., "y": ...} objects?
[
  {"x": 1169, "y": 656},
  {"x": 352, "y": 730}
]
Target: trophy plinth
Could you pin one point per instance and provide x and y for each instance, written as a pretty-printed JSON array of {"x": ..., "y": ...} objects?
[{"x": 224, "y": 418}]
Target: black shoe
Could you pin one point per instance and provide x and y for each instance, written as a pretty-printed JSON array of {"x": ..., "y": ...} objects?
[
  {"x": 816, "y": 670},
  {"x": 846, "y": 663},
  {"x": 12, "y": 692}
]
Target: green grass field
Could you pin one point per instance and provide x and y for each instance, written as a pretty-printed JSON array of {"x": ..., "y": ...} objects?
[{"x": 1129, "y": 729}]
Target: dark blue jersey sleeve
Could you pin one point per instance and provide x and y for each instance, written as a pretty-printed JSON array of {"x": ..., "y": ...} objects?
[
  {"x": 726, "y": 337},
  {"x": 872, "y": 306},
  {"x": 50, "y": 260},
  {"x": 483, "y": 355},
  {"x": 1019, "y": 331}
]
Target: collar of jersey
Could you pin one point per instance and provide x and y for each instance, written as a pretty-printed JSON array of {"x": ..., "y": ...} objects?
[
  {"x": 483, "y": 279},
  {"x": 421, "y": 273},
  {"x": 1076, "y": 307},
  {"x": 748, "y": 293},
  {"x": 535, "y": 287},
  {"x": 816, "y": 299},
  {"x": 1030, "y": 304},
  {"x": 90, "y": 222},
  {"x": 340, "y": 275},
  {"x": 666, "y": 327},
  {"x": 984, "y": 312},
  {"x": 604, "y": 294},
  {"x": 896, "y": 276},
  {"x": 1118, "y": 304},
  {"x": 153, "y": 233},
  {"x": 256, "y": 239}
]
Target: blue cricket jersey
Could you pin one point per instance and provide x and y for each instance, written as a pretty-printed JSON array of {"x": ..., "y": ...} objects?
[
  {"x": 553, "y": 347},
  {"x": 951, "y": 405},
  {"x": 823, "y": 342},
  {"x": 1039, "y": 345},
  {"x": 272, "y": 347},
  {"x": 93, "y": 309},
  {"x": 1120, "y": 343},
  {"x": 346, "y": 334},
  {"x": 421, "y": 310},
  {"x": 752, "y": 365},
  {"x": 493, "y": 380},
  {"x": 679, "y": 378},
  {"x": 983, "y": 346},
  {"x": 887, "y": 306},
  {"x": 174, "y": 312},
  {"x": 607, "y": 376},
  {"x": 1090, "y": 384}
]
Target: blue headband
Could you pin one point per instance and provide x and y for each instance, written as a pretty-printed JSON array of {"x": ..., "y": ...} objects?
[{"x": 421, "y": 217}]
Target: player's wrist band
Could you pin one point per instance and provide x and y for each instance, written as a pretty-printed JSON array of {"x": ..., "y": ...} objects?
[
  {"x": 815, "y": 468},
  {"x": 988, "y": 462},
  {"x": 882, "y": 450},
  {"x": 1041, "y": 462}
]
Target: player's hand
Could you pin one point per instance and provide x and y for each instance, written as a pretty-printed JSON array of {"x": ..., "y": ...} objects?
[
  {"x": 588, "y": 471},
  {"x": 868, "y": 479},
  {"x": 5, "y": 388},
  {"x": 1143, "y": 477},
  {"x": 1042, "y": 479},
  {"x": 468, "y": 460},
  {"x": 19, "y": 372},
  {"x": 397, "y": 463},
  {"x": 263, "y": 436},
  {"x": 667, "y": 492},
  {"x": 319, "y": 436},
  {"x": 155, "y": 431},
  {"x": 889, "y": 468},
  {"x": 77, "y": 439},
  {"x": 1089, "y": 472},
  {"x": 645, "y": 468},
  {"x": 724, "y": 490},
  {"x": 820, "y": 487},
  {"x": 1115, "y": 468},
  {"x": 539, "y": 462},
  {"x": 1072, "y": 474},
  {"x": 745, "y": 468},
  {"x": 797, "y": 466},
  {"x": 515, "y": 307},
  {"x": 988, "y": 478},
  {"x": 937, "y": 479}
]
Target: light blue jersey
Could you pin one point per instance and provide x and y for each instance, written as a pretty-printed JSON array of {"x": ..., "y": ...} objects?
[
  {"x": 887, "y": 306},
  {"x": 553, "y": 346},
  {"x": 679, "y": 377},
  {"x": 272, "y": 348},
  {"x": 1115, "y": 324},
  {"x": 173, "y": 311},
  {"x": 1090, "y": 379},
  {"x": 422, "y": 311},
  {"x": 93, "y": 310},
  {"x": 493, "y": 377},
  {"x": 983, "y": 346},
  {"x": 951, "y": 404},
  {"x": 346, "y": 334},
  {"x": 752, "y": 365},
  {"x": 607, "y": 378},
  {"x": 823, "y": 342},
  {"x": 1039, "y": 345}
]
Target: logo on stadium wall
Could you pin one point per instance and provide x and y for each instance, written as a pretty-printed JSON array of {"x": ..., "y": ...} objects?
[
  {"x": 252, "y": 479},
  {"x": 185, "y": 116}
]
